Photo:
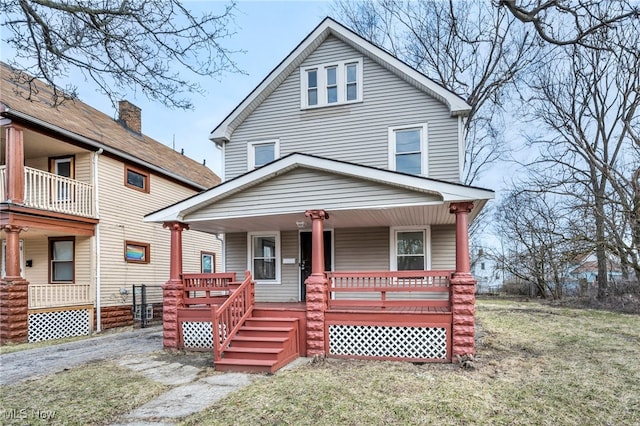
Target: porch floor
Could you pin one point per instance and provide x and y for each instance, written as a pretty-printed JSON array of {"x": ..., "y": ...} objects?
[{"x": 282, "y": 306}]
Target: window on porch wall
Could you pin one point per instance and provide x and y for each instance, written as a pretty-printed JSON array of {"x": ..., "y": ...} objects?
[
  {"x": 410, "y": 251},
  {"x": 265, "y": 257},
  {"x": 61, "y": 259}
]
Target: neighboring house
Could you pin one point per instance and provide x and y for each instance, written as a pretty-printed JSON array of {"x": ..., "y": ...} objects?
[
  {"x": 583, "y": 274},
  {"x": 343, "y": 159},
  {"x": 486, "y": 272},
  {"x": 74, "y": 187}
]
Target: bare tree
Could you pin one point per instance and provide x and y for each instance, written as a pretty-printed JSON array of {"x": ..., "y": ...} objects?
[
  {"x": 471, "y": 48},
  {"x": 565, "y": 22},
  {"x": 122, "y": 45},
  {"x": 588, "y": 103},
  {"x": 541, "y": 240}
]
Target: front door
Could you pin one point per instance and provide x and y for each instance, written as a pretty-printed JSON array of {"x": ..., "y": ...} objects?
[{"x": 305, "y": 258}]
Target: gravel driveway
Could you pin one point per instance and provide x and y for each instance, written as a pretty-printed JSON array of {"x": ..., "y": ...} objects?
[{"x": 32, "y": 363}]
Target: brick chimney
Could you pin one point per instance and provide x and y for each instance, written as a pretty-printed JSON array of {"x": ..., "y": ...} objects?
[{"x": 130, "y": 116}]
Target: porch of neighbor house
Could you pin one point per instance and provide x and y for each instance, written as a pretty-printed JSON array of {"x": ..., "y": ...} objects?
[{"x": 415, "y": 315}]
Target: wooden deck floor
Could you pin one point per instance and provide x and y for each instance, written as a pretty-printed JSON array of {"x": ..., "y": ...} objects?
[{"x": 302, "y": 307}]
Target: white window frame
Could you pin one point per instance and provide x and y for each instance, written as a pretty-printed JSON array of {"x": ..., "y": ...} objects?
[
  {"x": 3, "y": 273},
  {"x": 424, "y": 156},
  {"x": 251, "y": 151},
  {"x": 393, "y": 242},
  {"x": 250, "y": 236},
  {"x": 341, "y": 76}
]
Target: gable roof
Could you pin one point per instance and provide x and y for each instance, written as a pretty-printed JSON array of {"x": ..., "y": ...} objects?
[
  {"x": 457, "y": 106},
  {"x": 443, "y": 191},
  {"x": 88, "y": 126}
]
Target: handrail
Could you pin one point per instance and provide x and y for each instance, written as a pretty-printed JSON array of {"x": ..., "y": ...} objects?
[
  {"x": 59, "y": 295},
  {"x": 228, "y": 317}
]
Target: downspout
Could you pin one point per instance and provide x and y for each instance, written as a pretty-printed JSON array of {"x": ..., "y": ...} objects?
[
  {"x": 223, "y": 248},
  {"x": 97, "y": 207}
]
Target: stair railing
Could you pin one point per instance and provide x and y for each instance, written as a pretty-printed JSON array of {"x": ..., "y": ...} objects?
[{"x": 229, "y": 317}]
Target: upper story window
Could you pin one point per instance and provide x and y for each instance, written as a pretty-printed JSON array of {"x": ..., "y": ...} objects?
[
  {"x": 261, "y": 153},
  {"x": 408, "y": 149},
  {"x": 331, "y": 83},
  {"x": 136, "y": 179}
]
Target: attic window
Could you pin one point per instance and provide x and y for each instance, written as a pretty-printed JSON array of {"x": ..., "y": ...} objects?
[
  {"x": 262, "y": 152},
  {"x": 331, "y": 84},
  {"x": 136, "y": 179}
]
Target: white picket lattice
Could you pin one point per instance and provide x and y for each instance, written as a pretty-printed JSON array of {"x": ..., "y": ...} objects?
[
  {"x": 58, "y": 324},
  {"x": 388, "y": 341}
]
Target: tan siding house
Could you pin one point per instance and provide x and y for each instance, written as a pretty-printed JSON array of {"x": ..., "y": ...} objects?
[{"x": 75, "y": 186}]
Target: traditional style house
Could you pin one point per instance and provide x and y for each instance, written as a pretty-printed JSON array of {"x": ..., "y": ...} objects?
[
  {"x": 74, "y": 187},
  {"x": 344, "y": 218}
]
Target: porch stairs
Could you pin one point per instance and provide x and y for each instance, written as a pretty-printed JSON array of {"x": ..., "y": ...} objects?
[{"x": 262, "y": 345}]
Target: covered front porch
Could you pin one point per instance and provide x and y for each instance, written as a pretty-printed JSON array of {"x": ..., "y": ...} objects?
[
  {"x": 380, "y": 260},
  {"x": 408, "y": 315}
]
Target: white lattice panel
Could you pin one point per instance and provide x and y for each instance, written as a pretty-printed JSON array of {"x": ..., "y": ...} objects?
[
  {"x": 197, "y": 334},
  {"x": 387, "y": 341},
  {"x": 58, "y": 324}
]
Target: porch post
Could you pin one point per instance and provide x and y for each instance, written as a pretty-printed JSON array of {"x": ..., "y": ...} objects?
[
  {"x": 172, "y": 290},
  {"x": 316, "y": 286},
  {"x": 14, "y": 292},
  {"x": 15, "y": 164},
  {"x": 462, "y": 289}
]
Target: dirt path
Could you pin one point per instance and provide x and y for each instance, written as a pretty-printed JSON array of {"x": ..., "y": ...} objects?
[{"x": 33, "y": 363}]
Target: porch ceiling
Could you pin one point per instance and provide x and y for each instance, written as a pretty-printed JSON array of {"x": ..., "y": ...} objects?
[{"x": 347, "y": 218}]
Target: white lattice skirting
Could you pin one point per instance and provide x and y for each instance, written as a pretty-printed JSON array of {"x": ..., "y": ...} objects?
[
  {"x": 197, "y": 334},
  {"x": 58, "y": 324},
  {"x": 388, "y": 341}
]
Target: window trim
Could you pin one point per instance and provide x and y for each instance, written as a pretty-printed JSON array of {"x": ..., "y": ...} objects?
[
  {"x": 213, "y": 261},
  {"x": 321, "y": 81},
  {"x": 251, "y": 154},
  {"x": 250, "y": 236},
  {"x": 393, "y": 244},
  {"x": 145, "y": 246},
  {"x": 146, "y": 175},
  {"x": 424, "y": 153},
  {"x": 51, "y": 241}
]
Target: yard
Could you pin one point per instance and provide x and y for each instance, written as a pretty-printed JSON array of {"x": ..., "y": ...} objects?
[{"x": 535, "y": 365}]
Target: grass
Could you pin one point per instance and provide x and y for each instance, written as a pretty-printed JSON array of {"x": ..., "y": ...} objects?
[
  {"x": 89, "y": 395},
  {"x": 536, "y": 365}
]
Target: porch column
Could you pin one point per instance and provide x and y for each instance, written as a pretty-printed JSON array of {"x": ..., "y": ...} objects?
[
  {"x": 316, "y": 286},
  {"x": 15, "y": 164},
  {"x": 14, "y": 292},
  {"x": 462, "y": 289},
  {"x": 172, "y": 290}
]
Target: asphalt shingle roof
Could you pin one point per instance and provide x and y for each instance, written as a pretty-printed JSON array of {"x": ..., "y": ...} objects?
[{"x": 81, "y": 119}]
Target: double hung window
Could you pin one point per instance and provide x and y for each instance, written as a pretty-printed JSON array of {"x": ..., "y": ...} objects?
[
  {"x": 408, "y": 149},
  {"x": 331, "y": 83}
]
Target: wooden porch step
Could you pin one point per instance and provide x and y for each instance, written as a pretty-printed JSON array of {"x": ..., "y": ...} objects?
[
  {"x": 261, "y": 345},
  {"x": 258, "y": 341}
]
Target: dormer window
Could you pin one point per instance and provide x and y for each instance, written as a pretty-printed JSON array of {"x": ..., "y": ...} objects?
[{"x": 331, "y": 84}]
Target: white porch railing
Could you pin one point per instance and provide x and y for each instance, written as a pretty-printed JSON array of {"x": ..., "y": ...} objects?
[
  {"x": 59, "y": 295},
  {"x": 47, "y": 191}
]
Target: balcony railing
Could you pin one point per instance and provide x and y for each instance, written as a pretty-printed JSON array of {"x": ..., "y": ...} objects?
[
  {"x": 47, "y": 191},
  {"x": 59, "y": 295}
]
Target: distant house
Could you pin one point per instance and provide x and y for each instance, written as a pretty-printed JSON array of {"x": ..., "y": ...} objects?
[
  {"x": 486, "y": 272},
  {"x": 583, "y": 272},
  {"x": 74, "y": 187},
  {"x": 342, "y": 199}
]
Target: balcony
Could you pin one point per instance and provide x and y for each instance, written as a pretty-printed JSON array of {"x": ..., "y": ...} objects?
[{"x": 47, "y": 191}]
